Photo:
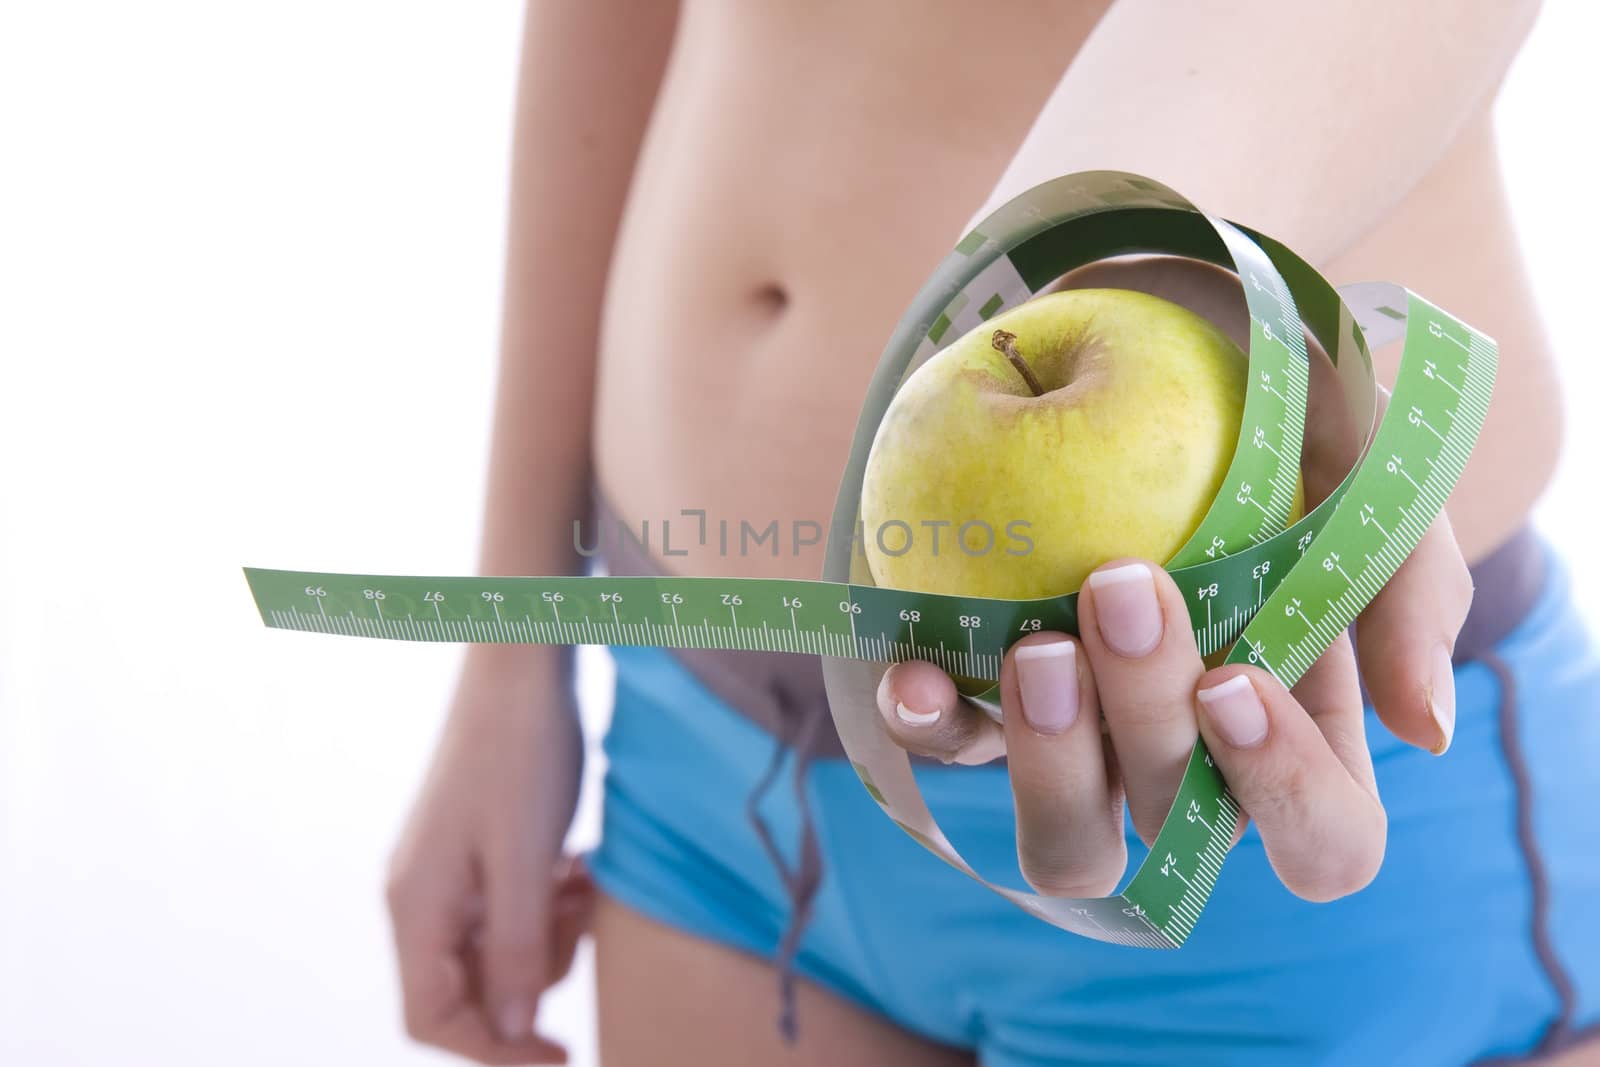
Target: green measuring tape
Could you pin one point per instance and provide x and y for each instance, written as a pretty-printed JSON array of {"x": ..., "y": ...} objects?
[{"x": 1278, "y": 594}]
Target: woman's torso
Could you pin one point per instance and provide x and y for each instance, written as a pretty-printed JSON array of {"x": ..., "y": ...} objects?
[{"x": 806, "y": 167}]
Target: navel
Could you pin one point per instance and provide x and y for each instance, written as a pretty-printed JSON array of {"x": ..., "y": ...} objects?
[{"x": 771, "y": 298}]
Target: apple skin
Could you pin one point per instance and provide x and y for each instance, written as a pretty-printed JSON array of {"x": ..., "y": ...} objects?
[{"x": 1121, "y": 455}]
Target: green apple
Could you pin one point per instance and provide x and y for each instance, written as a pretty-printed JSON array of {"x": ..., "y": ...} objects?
[{"x": 1078, "y": 427}]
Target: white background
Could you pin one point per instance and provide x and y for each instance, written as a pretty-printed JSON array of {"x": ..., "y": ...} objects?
[{"x": 249, "y": 285}]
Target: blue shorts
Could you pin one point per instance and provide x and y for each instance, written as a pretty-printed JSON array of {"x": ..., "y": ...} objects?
[{"x": 1474, "y": 942}]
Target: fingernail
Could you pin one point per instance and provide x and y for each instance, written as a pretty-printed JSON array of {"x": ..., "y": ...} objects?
[
  {"x": 907, "y": 715},
  {"x": 1442, "y": 698},
  {"x": 916, "y": 718},
  {"x": 1047, "y": 676},
  {"x": 516, "y": 1021},
  {"x": 1234, "y": 708},
  {"x": 1126, "y": 610}
]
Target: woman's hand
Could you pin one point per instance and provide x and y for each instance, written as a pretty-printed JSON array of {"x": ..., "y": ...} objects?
[
  {"x": 486, "y": 911},
  {"x": 1297, "y": 761}
]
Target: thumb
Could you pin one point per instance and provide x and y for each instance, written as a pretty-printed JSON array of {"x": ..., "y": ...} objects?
[
  {"x": 515, "y": 952},
  {"x": 572, "y": 905}
]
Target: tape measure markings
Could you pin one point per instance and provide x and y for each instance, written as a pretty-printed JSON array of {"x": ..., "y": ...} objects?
[
  {"x": 1465, "y": 407},
  {"x": 966, "y": 635}
]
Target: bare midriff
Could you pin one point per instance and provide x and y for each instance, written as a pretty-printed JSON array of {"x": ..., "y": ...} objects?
[{"x": 780, "y": 222}]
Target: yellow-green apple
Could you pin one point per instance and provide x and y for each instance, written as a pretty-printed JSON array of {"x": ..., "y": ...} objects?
[{"x": 1077, "y": 427}]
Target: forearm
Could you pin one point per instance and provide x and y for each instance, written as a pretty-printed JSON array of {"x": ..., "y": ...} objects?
[
  {"x": 588, "y": 78},
  {"x": 1307, "y": 121}
]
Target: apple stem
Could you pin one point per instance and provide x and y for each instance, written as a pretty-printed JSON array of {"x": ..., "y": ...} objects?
[{"x": 1006, "y": 341}]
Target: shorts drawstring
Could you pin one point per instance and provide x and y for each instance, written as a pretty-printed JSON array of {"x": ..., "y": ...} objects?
[{"x": 802, "y": 881}]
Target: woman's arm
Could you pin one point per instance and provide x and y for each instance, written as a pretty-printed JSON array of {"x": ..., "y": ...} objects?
[
  {"x": 588, "y": 80},
  {"x": 485, "y": 913},
  {"x": 1309, "y": 121}
]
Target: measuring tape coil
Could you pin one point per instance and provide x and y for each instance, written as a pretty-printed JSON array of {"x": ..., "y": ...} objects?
[{"x": 1275, "y": 594}]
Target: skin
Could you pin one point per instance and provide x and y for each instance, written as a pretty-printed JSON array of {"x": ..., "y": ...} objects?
[{"x": 706, "y": 251}]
